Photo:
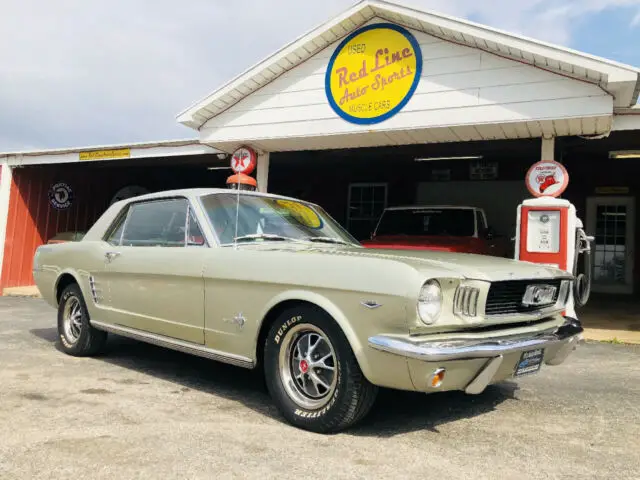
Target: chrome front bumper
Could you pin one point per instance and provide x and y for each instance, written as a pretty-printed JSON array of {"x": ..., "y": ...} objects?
[{"x": 566, "y": 337}]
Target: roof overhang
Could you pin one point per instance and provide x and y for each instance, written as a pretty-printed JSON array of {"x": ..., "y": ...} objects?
[
  {"x": 129, "y": 151},
  {"x": 620, "y": 81}
]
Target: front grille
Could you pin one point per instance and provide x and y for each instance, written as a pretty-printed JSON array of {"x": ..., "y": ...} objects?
[{"x": 505, "y": 297}]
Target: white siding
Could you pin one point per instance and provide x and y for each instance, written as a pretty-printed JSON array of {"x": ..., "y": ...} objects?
[{"x": 459, "y": 86}]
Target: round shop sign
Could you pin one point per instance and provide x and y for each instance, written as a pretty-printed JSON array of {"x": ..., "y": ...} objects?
[
  {"x": 547, "y": 179},
  {"x": 244, "y": 160},
  {"x": 373, "y": 73},
  {"x": 60, "y": 196}
]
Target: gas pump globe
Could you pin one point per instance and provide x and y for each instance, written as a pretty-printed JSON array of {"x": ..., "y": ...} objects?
[
  {"x": 243, "y": 162},
  {"x": 549, "y": 231}
]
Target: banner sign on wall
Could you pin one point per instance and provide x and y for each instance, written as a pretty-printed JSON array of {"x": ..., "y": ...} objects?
[
  {"x": 104, "y": 154},
  {"x": 373, "y": 73}
]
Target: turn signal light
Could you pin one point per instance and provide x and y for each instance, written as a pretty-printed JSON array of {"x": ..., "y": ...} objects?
[{"x": 437, "y": 378}]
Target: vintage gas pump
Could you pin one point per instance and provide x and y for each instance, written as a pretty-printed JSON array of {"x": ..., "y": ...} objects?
[{"x": 549, "y": 231}]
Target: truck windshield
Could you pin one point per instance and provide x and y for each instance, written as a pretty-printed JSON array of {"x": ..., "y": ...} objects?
[
  {"x": 446, "y": 221},
  {"x": 266, "y": 219}
]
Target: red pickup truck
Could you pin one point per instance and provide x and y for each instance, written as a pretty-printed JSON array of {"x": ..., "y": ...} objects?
[{"x": 442, "y": 228}]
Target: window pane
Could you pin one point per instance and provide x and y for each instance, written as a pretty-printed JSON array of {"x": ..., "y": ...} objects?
[
  {"x": 114, "y": 238},
  {"x": 195, "y": 234},
  {"x": 160, "y": 223}
]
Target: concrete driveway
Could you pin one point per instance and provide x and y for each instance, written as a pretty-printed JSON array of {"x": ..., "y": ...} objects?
[{"x": 143, "y": 412}]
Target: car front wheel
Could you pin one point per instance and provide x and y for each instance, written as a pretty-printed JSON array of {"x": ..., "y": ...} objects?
[
  {"x": 312, "y": 373},
  {"x": 77, "y": 336}
]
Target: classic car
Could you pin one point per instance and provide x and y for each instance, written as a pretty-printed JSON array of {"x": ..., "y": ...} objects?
[
  {"x": 446, "y": 228},
  {"x": 265, "y": 281}
]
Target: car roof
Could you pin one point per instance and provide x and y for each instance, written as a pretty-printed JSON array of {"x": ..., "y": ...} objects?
[
  {"x": 432, "y": 207},
  {"x": 198, "y": 192}
]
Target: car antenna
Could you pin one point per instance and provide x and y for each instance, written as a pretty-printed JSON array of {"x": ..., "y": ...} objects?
[{"x": 235, "y": 235}]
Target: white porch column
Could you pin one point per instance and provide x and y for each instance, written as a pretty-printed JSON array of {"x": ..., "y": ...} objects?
[
  {"x": 262, "y": 173},
  {"x": 547, "y": 151},
  {"x": 5, "y": 190}
]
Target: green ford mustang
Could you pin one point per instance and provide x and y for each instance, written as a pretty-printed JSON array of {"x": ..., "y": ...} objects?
[{"x": 270, "y": 282}]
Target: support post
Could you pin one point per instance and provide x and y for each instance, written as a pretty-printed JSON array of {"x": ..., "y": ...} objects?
[
  {"x": 547, "y": 151},
  {"x": 262, "y": 174},
  {"x": 5, "y": 191}
]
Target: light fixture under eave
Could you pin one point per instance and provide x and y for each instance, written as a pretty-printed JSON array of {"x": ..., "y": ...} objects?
[
  {"x": 625, "y": 154},
  {"x": 218, "y": 168},
  {"x": 430, "y": 159}
]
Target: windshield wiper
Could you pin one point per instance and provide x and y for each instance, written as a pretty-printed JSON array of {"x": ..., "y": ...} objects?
[
  {"x": 265, "y": 236},
  {"x": 327, "y": 240}
]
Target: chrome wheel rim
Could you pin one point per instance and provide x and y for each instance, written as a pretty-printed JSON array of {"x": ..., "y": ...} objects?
[
  {"x": 72, "y": 319},
  {"x": 308, "y": 366}
]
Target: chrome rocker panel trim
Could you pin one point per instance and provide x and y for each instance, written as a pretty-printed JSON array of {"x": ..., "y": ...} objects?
[
  {"x": 569, "y": 334},
  {"x": 174, "y": 344}
]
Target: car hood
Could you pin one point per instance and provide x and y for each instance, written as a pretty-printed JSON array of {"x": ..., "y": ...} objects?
[
  {"x": 433, "y": 263},
  {"x": 431, "y": 242}
]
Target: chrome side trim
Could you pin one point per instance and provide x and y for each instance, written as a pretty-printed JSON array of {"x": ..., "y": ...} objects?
[
  {"x": 174, "y": 344},
  {"x": 485, "y": 376},
  {"x": 460, "y": 349}
]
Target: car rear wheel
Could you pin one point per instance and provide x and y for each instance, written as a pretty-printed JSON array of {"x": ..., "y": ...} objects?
[
  {"x": 312, "y": 373},
  {"x": 77, "y": 336}
]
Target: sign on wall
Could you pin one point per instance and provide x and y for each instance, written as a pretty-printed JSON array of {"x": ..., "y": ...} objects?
[
  {"x": 547, "y": 179},
  {"x": 60, "y": 196},
  {"x": 105, "y": 154},
  {"x": 373, "y": 73}
]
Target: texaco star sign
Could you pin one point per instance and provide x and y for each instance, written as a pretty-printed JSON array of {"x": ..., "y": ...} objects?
[{"x": 243, "y": 160}]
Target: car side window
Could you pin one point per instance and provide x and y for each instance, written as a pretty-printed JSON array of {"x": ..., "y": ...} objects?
[
  {"x": 195, "y": 237},
  {"x": 160, "y": 223},
  {"x": 482, "y": 227}
]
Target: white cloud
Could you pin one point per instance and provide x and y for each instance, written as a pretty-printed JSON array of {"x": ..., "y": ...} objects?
[
  {"x": 636, "y": 20},
  {"x": 74, "y": 72}
]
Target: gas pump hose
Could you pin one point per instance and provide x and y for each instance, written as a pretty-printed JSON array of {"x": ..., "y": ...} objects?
[{"x": 582, "y": 281}]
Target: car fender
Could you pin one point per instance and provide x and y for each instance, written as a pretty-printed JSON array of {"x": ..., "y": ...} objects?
[{"x": 328, "y": 306}]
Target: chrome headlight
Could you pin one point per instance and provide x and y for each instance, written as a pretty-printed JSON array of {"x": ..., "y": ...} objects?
[{"x": 430, "y": 302}]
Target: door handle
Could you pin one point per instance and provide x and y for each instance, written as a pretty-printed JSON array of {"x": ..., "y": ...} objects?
[{"x": 109, "y": 256}]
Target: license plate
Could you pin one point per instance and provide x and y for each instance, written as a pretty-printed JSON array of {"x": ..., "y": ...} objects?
[{"x": 530, "y": 362}]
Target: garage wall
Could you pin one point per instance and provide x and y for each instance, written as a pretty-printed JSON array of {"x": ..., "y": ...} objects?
[
  {"x": 459, "y": 86},
  {"x": 499, "y": 199}
]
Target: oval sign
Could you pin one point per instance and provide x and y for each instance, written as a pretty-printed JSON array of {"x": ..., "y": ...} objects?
[
  {"x": 547, "y": 179},
  {"x": 373, "y": 73},
  {"x": 243, "y": 160}
]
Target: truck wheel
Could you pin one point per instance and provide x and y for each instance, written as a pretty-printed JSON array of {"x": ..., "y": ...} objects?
[
  {"x": 77, "y": 336},
  {"x": 312, "y": 373}
]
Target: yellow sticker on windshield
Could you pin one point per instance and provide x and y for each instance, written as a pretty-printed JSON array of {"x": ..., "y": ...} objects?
[{"x": 301, "y": 213}]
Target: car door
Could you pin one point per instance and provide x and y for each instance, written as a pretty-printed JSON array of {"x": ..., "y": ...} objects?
[{"x": 154, "y": 270}]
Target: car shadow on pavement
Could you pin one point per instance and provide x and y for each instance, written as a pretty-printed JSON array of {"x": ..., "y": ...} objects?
[{"x": 394, "y": 413}]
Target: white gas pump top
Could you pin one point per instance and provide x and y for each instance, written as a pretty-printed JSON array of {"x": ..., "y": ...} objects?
[{"x": 546, "y": 202}]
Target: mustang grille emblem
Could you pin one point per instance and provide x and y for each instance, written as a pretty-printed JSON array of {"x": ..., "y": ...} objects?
[{"x": 537, "y": 295}]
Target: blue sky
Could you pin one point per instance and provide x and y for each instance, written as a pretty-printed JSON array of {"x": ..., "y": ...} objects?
[
  {"x": 74, "y": 72},
  {"x": 620, "y": 40}
]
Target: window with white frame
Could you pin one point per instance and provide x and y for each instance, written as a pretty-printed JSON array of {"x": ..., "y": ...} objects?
[{"x": 365, "y": 205}]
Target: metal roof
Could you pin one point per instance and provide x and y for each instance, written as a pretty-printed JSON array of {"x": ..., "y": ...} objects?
[{"x": 621, "y": 81}]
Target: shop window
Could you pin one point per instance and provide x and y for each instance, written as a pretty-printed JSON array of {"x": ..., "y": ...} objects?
[{"x": 365, "y": 205}]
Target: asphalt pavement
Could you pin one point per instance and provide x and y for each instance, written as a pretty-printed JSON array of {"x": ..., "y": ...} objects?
[{"x": 140, "y": 411}]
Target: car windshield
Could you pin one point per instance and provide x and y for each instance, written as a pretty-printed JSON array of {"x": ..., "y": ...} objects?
[
  {"x": 263, "y": 219},
  {"x": 457, "y": 222}
]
